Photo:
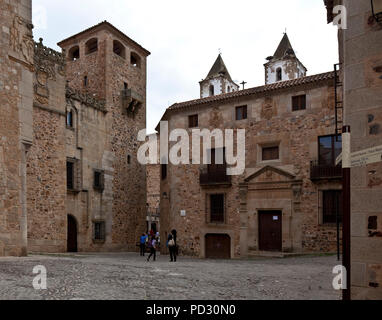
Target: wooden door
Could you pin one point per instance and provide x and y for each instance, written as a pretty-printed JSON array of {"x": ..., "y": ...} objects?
[
  {"x": 72, "y": 234},
  {"x": 218, "y": 246},
  {"x": 270, "y": 231}
]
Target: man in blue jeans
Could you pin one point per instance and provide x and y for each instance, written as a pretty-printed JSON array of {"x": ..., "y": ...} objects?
[{"x": 142, "y": 244}]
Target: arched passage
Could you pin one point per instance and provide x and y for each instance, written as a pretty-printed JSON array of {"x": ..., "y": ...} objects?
[{"x": 72, "y": 234}]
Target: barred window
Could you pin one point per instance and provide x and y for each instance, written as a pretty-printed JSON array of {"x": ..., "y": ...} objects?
[
  {"x": 98, "y": 180},
  {"x": 217, "y": 208},
  {"x": 99, "y": 231}
]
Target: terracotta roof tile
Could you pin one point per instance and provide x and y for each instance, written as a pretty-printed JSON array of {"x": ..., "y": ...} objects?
[{"x": 256, "y": 90}]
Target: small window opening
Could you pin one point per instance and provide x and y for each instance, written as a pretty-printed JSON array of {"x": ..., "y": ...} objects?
[
  {"x": 99, "y": 230},
  {"x": 74, "y": 53},
  {"x": 270, "y": 153},
  {"x": 193, "y": 121},
  {"x": 119, "y": 49},
  {"x": 92, "y": 46},
  {"x": 299, "y": 103},
  {"x": 212, "y": 90},
  {"x": 135, "y": 60},
  {"x": 69, "y": 119},
  {"x": 241, "y": 113},
  {"x": 70, "y": 175},
  {"x": 279, "y": 74},
  {"x": 86, "y": 81}
]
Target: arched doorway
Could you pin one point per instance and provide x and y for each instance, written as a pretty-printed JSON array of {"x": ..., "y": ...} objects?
[
  {"x": 72, "y": 234},
  {"x": 218, "y": 246}
]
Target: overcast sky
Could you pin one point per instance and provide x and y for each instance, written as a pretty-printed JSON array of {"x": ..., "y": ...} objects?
[{"x": 184, "y": 38}]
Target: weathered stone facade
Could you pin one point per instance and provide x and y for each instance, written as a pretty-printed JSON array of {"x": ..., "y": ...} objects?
[
  {"x": 68, "y": 148},
  {"x": 153, "y": 194},
  {"x": 284, "y": 184},
  {"x": 16, "y": 121},
  {"x": 361, "y": 71}
]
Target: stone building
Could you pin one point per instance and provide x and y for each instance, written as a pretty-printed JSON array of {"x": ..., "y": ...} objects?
[
  {"x": 288, "y": 198},
  {"x": 70, "y": 179},
  {"x": 360, "y": 55},
  {"x": 16, "y": 121}
]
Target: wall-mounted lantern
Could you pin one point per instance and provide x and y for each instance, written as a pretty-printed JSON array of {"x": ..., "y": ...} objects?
[{"x": 376, "y": 8}]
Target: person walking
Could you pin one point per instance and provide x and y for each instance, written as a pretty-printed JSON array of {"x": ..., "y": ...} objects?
[
  {"x": 153, "y": 249},
  {"x": 172, "y": 248},
  {"x": 142, "y": 244},
  {"x": 174, "y": 234}
]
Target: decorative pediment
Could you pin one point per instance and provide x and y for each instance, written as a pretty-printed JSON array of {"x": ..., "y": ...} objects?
[{"x": 269, "y": 174}]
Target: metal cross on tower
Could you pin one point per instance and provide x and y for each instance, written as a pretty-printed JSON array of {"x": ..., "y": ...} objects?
[{"x": 243, "y": 84}]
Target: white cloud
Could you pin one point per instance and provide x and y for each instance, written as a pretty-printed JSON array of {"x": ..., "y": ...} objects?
[{"x": 185, "y": 36}]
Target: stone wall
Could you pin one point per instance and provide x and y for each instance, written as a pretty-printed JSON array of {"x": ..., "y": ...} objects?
[
  {"x": 16, "y": 63},
  {"x": 361, "y": 55}
]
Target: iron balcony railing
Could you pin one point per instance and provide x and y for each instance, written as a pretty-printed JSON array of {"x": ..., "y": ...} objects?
[
  {"x": 324, "y": 171},
  {"x": 215, "y": 176}
]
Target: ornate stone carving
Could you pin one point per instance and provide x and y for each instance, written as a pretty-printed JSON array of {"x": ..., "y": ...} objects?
[
  {"x": 21, "y": 38},
  {"x": 87, "y": 99},
  {"x": 46, "y": 60}
]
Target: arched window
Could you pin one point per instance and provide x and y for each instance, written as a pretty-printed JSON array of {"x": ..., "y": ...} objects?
[
  {"x": 91, "y": 46},
  {"x": 135, "y": 60},
  {"x": 119, "y": 49},
  {"x": 212, "y": 90},
  {"x": 74, "y": 53},
  {"x": 279, "y": 74}
]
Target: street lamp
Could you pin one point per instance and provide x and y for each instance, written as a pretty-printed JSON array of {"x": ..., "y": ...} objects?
[{"x": 376, "y": 8}]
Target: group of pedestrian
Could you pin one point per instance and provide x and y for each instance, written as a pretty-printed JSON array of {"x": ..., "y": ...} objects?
[{"x": 151, "y": 241}]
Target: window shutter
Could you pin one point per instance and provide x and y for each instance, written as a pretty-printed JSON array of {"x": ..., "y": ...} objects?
[{"x": 77, "y": 175}]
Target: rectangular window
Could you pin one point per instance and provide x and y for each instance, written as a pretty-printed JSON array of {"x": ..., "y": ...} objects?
[
  {"x": 98, "y": 180},
  {"x": 70, "y": 175},
  {"x": 329, "y": 149},
  {"x": 85, "y": 81},
  {"x": 241, "y": 113},
  {"x": 270, "y": 153},
  {"x": 193, "y": 121},
  {"x": 217, "y": 208},
  {"x": 164, "y": 171},
  {"x": 99, "y": 231},
  {"x": 331, "y": 206},
  {"x": 299, "y": 103}
]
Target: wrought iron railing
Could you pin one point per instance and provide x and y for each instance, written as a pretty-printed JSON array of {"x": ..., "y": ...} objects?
[
  {"x": 217, "y": 175},
  {"x": 324, "y": 171}
]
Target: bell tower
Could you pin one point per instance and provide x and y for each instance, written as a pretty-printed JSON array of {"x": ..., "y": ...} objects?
[
  {"x": 284, "y": 64},
  {"x": 218, "y": 80}
]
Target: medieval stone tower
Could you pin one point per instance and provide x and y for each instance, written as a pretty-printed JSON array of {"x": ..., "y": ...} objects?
[
  {"x": 102, "y": 63},
  {"x": 283, "y": 65},
  {"x": 218, "y": 80}
]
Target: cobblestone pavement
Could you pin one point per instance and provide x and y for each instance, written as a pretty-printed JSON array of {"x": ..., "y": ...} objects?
[{"x": 128, "y": 276}]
